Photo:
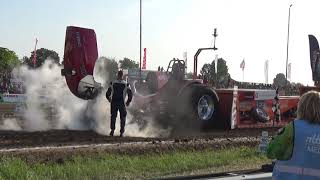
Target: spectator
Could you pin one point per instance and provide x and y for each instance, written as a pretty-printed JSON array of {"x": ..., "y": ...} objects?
[{"x": 296, "y": 147}]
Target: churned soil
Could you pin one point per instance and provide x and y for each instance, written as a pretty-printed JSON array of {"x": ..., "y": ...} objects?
[
  {"x": 60, "y": 145},
  {"x": 16, "y": 139}
]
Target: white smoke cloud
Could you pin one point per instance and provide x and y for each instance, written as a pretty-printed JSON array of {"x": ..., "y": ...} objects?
[
  {"x": 46, "y": 91},
  {"x": 10, "y": 124}
]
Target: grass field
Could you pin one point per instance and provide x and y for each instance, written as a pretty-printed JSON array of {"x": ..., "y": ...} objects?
[{"x": 113, "y": 166}]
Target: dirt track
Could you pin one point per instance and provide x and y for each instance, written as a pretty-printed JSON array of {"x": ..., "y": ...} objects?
[
  {"x": 17, "y": 139},
  {"x": 60, "y": 145}
]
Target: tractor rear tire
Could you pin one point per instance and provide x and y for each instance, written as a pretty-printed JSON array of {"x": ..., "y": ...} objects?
[
  {"x": 205, "y": 103},
  {"x": 199, "y": 107}
]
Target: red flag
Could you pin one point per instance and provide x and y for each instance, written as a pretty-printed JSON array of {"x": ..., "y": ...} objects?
[
  {"x": 34, "y": 60},
  {"x": 144, "y": 64},
  {"x": 242, "y": 65}
]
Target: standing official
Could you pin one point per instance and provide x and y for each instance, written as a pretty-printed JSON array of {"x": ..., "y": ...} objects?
[
  {"x": 116, "y": 95},
  {"x": 297, "y": 146}
]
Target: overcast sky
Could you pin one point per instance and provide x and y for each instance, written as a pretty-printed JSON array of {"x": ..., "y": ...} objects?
[{"x": 254, "y": 30}]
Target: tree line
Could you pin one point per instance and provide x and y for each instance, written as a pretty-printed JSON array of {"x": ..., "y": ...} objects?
[
  {"x": 9, "y": 60},
  {"x": 215, "y": 76}
]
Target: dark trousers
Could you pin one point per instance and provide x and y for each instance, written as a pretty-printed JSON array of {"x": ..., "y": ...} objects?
[{"x": 115, "y": 107}]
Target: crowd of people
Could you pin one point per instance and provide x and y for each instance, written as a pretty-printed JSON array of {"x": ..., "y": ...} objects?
[
  {"x": 9, "y": 85},
  {"x": 247, "y": 85},
  {"x": 289, "y": 90}
]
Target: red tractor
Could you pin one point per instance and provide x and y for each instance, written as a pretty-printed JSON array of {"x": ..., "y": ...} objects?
[
  {"x": 179, "y": 103},
  {"x": 171, "y": 99}
]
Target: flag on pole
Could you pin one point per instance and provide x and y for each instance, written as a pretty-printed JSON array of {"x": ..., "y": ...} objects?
[
  {"x": 266, "y": 71},
  {"x": 289, "y": 71},
  {"x": 144, "y": 64},
  {"x": 242, "y": 65},
  {"x": 34, "y": 60}
]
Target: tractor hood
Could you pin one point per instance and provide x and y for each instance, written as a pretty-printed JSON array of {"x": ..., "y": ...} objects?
[{"x": 80, "y": 55}]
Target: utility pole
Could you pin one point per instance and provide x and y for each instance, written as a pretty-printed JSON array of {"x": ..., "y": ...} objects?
[
  {"x": 140, "y": 40},
  {"x": 214, "y": 36},
  {"x": 216, "y": 59},
  {"x": 34, "y": 60},
  {"x": 288, "y": 42}
]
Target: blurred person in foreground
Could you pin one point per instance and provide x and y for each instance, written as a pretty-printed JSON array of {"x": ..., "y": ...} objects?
[
  {"x": 116, "y": 95},
  {"x": 297, "y": 146}
]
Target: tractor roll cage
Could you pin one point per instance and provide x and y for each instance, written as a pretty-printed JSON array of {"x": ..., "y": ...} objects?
[
  {"x": 195, "y": 62},
  {"x": 175, "y": 61},
  {"x": 177, "y": 67}
]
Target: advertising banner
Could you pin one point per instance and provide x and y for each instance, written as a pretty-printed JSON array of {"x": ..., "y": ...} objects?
[
  {"x": 13, "y": 98},
  {"x": 314, "y": 57}
]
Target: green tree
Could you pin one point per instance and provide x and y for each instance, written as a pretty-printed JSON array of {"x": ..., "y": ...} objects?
[
  {"x": 8, "y": 59},
  {"x": 221, "y": 77},
  {"x": 280, "y": 80},
  {"x": 189, "y": 75},
  {"x": 206, "y": 70},
  {"x": 209, "y": 71},
  {"x": 222, "y": 71},
  {"x": 127, "y": 63},
  {"x": 25, "y": 59},
  {"x": 42, "y": 55}
]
